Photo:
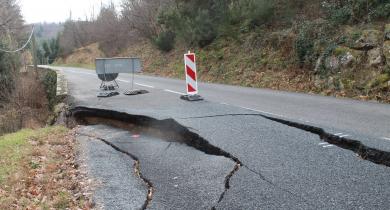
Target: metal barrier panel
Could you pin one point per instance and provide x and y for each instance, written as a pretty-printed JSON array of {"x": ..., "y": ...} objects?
[{"x": 117, "y": 65}]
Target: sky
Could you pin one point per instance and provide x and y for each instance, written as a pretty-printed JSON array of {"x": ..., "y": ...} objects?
[{"x": 49, "y": 11}]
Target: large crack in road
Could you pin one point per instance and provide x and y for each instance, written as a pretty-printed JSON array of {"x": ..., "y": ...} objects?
[
  {"x": 164, "y": 129},
  {"x": 170, "y": 129},
  {"x": 363, "y": 151}
]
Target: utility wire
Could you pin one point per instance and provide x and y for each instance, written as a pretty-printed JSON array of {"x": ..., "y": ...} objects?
[{"x": 24, "y": 46}]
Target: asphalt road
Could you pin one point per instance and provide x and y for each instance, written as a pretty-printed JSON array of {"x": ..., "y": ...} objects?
[
  {"x": 344, "y": 116},
  {"x": 341, "y": 116},
  {"x": 283, "y": 167},
  {"x": 167, "y": 165}
]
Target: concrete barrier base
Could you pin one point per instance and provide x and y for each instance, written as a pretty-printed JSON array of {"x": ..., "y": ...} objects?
[{"x": 192, "y": 97}]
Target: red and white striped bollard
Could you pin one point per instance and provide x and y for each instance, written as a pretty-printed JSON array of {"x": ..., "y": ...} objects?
[{"x": 191, "y": 78}]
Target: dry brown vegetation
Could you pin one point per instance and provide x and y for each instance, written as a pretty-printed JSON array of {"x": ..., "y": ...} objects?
[
  {"x": 84, "y": 55},
  {"x": 27, "y": 106},
  {"x": 45, "y": 173},
  {"x": 240, "y": 66}
]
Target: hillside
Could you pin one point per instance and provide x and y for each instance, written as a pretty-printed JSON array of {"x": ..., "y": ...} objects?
[
  {"x": 82, "y": 57},
  {"x": 328, "y": 47},
  {"x": 351, "y": 70}
]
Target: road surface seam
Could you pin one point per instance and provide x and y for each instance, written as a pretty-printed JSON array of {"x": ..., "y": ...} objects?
[
  {"x": 262, "y": 177},
  {"x": 365, "y": 152},
  {"x": 137, "y": 167}
]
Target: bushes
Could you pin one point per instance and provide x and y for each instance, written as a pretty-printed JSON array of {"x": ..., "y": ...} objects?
[
  {"x": 252, "y": 12},
  {"x": 304, "y": 45},
  {"x": 165, "y": 41},
  {"x": 204, "y": 28},
  {"x": 194, "y": 27},
  {"x": 50, "y": 83},
  {"x": 381, "y": 12},
  {"x": 314, "y": 40},
  {"x": 200, "y": 22},
  {"x": 340, "y": 15},
  {"x": 355, "y": 11}
]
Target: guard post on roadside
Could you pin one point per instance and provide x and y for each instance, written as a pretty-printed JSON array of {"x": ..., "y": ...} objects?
[{"x": 191, "y": 78}]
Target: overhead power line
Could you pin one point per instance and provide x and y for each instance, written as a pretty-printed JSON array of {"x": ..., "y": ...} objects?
[{"x": 24, "y": 46}]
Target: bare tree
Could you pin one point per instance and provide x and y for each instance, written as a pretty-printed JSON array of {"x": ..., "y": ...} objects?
[
  {"x": 11, "y": 21},
  {"x": 141, "y": 15},
  {"x": 109, "y": 29}
]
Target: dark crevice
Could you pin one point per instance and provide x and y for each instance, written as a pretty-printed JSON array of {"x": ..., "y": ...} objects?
[
  {"x": 137, "y": 168},
  {"x": 365, "y": 152},
  {"x": 168, "y": 130},
  {"x": 227, "y": 180},
  {"x": 169, "y": 145},
  {"x": 227, "y": 183}
]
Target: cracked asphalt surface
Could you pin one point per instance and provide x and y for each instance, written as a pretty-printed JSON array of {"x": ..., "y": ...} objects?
[
  {"x": 284, "y": 167},
  {"x": 168, "y": 165},
  {"x": 116, "y": 186}
]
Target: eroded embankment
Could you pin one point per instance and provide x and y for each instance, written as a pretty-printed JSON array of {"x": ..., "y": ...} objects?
[{"x": 168, "y": 129}]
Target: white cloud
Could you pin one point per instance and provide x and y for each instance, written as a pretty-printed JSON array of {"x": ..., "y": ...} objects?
[{"x": 59, "y": 10}]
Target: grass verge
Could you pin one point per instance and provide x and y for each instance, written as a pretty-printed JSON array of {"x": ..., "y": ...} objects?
[{"x": 38, "y": 171}]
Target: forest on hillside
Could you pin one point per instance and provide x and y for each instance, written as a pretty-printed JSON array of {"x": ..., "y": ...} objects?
[
  {"x": 327, "y": 45},
  {"x": 332, "y": 47},
  {"x": 199, "y": 23}
]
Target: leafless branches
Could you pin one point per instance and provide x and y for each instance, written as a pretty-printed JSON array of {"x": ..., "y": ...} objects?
[
  {"x": 141, "y": 15},
  {"x": 11, "y": 20},
  {"x": 112, "y": 30}
]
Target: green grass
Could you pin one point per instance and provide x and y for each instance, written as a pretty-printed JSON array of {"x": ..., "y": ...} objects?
[
  {"x": 76, "y": 65},
  {"x": 14, "y": 147}
]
